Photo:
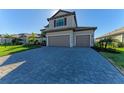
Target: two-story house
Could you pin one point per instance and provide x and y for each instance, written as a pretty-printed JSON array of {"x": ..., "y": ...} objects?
[{"x": 62, "y": 30}]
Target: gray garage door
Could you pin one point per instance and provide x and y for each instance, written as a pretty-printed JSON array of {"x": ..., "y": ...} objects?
[
  {"x": 83, "y": 41},
  {"x": 62, "y": 40}
]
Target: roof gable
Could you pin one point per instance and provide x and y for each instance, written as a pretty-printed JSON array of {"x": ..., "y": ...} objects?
[{"x": 61, "y": 13}]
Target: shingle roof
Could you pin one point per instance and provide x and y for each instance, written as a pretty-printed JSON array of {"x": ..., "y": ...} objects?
[
  {"x": 71, "y": 28},
  {"x": 115, "y": 32},
  {"x": 68, "y": 13},
  {"x": 85, "y": 28}
]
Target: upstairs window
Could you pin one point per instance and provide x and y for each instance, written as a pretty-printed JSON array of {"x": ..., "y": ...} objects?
[{"x": 60, "y": 22}]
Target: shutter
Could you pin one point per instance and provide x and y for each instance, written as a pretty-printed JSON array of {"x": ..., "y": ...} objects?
[
  {"x": 54, "y": 23},
  {"x": 65, "y": 21}
]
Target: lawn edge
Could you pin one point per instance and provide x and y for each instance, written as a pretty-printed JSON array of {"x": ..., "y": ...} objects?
[
  {"x": 111, "y": 62},
  {"x": 19, "y": 51}
]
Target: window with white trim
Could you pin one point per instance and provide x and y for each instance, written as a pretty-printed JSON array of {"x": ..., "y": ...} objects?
[{"x": 60, "y": 22}]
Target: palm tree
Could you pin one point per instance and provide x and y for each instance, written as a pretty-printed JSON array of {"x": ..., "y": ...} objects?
[
  {"x": 101, "y": 43},
  {"x": 6, "y": 36},
  {"x": 107, "y": 41},
  {"x": 32, "y": 38}
]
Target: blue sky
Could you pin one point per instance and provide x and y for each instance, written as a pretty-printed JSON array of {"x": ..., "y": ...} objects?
[{"x": 28, "y": 21}]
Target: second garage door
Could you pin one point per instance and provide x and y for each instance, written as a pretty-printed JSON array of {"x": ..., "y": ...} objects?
[
  {"x": 62, "y": 40},
  {"x": 83, "y": 41}
]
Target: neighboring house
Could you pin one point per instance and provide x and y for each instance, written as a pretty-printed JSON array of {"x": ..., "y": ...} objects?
[
  {"x": 116, "y": 34},
  {"x": 24, "y": 37},
  {"x": 39, "y": 38},
  {"x": 4, "y": 40},
  {"x": 63, "y": 30}
]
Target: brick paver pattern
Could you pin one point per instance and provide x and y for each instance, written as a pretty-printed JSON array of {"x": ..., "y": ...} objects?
[{"x": 51, "y": 65}]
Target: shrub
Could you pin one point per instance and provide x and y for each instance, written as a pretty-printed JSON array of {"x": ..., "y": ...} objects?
[
  {"x": 43, "y": 43},
  {"x": 120, "y": 44},
  {"x": 110, "y": 50},
  {"x": 16, "y": 41},
  {"x": 96, "y": 44},
  {"x": 36, "y": 42},
  {"x": 114, "y": 44}
]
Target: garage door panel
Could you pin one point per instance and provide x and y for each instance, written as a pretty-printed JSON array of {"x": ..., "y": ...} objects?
[
  {"x": 62, "y": 40},
  {"x": 83, "y": 41}
]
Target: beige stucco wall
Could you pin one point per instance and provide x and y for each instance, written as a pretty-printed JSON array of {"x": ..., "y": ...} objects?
[
  {"x": 89, "y": 32},
  {"x": 70, "y": 23},
  {"x": 59, "y": 33},
  {"x": 123, "y": 38},
  {"x": 51, "y": 24},
  {"x": 118, "y": 37}
]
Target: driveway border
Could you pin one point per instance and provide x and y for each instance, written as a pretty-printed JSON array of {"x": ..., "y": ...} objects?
[{"x": 111, "y": 62}]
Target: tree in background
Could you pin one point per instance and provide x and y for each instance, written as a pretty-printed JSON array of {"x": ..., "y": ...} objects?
[
  {"x": 6, "y": 36},
  {"x": 100, "y": 43},
  {"x": 43, "y": 35},
  {"x": 108, "y": 41},
  {"x": 32, "y": 38},
  {"x": 16, "y": 41}
]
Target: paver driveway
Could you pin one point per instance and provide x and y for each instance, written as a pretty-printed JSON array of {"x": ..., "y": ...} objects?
[{"x": 61, "y": 65}]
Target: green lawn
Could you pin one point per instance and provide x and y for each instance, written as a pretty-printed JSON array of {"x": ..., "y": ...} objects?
[
  {"x": 14, "y": 49},
  {"x": 117, "y": 58}
]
